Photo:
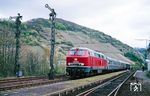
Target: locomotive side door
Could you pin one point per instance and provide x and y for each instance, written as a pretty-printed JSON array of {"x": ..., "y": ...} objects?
[{"x": 91, "y": 60}]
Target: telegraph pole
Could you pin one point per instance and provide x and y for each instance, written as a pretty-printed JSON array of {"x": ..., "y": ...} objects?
[
  {"x": 148, "y": 58},
  {"x": 52, "y": 17},
  {"x": 17, "y": 36},
  {"x": 148, "y": 51},
  {"x": 147, "y": 41},
  {"x": 146, "y": 55}
]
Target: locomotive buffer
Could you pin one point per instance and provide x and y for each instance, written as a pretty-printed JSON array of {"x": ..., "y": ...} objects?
[{"x": 52, "y": 17}]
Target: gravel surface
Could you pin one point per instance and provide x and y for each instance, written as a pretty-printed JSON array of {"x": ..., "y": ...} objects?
[{"x": 145, "y": 86}]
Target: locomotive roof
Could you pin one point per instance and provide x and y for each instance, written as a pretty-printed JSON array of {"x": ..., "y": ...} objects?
[{"x": 84, "y": 48}]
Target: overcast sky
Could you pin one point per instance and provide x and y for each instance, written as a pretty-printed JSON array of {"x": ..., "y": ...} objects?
[{"x": 125, "y": 20}]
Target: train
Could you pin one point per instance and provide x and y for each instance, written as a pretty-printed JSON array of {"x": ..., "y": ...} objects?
[{"x": 82, "y": 61}]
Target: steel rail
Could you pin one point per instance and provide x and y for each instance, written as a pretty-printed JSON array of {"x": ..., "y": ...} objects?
[
  {"x": 28, "y": 82},
  {"x": 104, "y": 84},
  {"x": 115, "y": 91},
  {"x": 74, "y": 91}
]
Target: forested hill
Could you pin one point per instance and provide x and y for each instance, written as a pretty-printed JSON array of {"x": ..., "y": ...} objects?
[
  {"x": 63, "y": 25},
  {"x": 35, "y": 45},
  {"x": 36, "y": 28}
]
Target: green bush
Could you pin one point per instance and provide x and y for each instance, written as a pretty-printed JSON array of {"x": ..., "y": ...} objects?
[
  {"x": 133, "y": 57},
  {"x": 60, "y": 70},
  {"x": 148, "y": 74},
  {"x": 35, "y": 66},
  {"x": 60, "y": 26}
]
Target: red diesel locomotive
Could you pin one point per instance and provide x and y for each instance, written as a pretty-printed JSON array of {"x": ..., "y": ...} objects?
[{"x": 84, "y": 61}]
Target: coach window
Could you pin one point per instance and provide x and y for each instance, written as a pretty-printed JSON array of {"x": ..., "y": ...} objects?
[
  {"x": 99, "y": 56},
  {"x": 102, "y": 56},
  {"x": 95, "y": 54},
  {"x": 105, "y": 57},
  {"x": 89, "y": 53}
]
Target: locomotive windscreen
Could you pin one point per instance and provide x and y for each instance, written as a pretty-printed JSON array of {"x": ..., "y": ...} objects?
[{"x": 80, "y": 52}]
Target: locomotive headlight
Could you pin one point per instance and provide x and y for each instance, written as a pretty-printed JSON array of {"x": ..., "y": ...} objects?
[
  {"x": 82, "y": 64},
  {"x": 69, "y": 64},
  {"x": 75, "y": 59}
]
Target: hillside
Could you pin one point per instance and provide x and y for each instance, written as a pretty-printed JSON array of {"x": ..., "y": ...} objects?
[
  {"x": 70, "y": 34},
  {"x": 35, "y": 45}
]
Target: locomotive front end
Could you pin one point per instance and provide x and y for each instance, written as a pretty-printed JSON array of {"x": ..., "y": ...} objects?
[{"x": 77, "y": 62}]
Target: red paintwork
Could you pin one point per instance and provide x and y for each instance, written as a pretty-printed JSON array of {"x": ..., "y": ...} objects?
[{"x": 88, "y": 60}]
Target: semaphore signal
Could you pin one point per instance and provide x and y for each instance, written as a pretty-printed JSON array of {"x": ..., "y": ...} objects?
[
  {"x": 52, "y": 17},
  {"x": 18, "y": 18}
]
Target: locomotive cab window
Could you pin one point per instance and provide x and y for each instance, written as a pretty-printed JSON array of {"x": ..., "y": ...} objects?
[{"x": 79, "y": 52}]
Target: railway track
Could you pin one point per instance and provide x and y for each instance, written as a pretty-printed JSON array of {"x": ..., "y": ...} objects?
[
  {"x": 103, "y": 87},
  {"x": 20, "y": 79},
  {"x": 15, "y": 83},
  {"x": 82, "y": 85},
  {"x": 109, "y": 88},
  {"x": 115, "y": 91},
  {"x": 65, "y": 88}
]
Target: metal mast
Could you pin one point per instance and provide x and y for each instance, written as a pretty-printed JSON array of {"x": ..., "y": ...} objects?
[
  {"x": 17, "y": 36},
  {"x": 52, "y": 17},
  {"x": 148, "y": 52},
  {"x": 147, "y": 41}
]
